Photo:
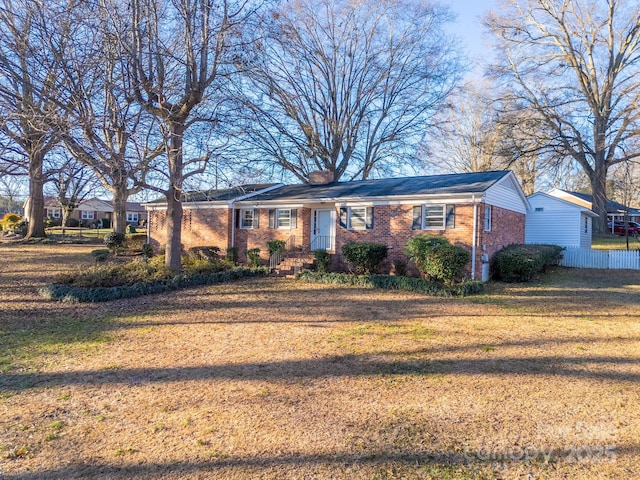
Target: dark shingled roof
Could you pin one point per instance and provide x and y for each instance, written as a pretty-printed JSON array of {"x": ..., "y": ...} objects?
[
  {"x": 612, "y": 206},
  {"x": 223, "y": 195},
  {"x": 388, "y": 187}
]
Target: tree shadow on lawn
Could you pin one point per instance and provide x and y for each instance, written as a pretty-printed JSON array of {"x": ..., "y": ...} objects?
[
  {"x": 435, "y": 464},
  {"x": 352, "y": 365}
]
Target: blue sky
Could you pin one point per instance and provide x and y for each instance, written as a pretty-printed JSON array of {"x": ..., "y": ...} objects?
[{"x": 468, "y": 26}]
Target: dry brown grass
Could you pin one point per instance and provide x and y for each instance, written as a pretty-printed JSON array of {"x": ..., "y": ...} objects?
[{"x": 276, "y": 379}]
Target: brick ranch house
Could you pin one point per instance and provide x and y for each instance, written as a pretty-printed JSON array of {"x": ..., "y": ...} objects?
[{"x": 481, "y": 212}]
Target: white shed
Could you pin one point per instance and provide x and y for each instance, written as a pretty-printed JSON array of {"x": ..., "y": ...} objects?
[{"x": 554, "y": 221}]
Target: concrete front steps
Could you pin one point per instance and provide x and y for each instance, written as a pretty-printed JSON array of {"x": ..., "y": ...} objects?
[{"x": 293, "y": 264}]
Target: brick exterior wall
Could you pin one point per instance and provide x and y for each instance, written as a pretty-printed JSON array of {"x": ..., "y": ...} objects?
[
  {"x": 392, "y": 226},
  {"x": 200, "y": 227},
  {"x": 246, "y": 239}
]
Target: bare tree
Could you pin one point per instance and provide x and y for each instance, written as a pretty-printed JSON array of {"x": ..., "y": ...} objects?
[
  {"x": 70, "y": 182},
  {"x": 478, "y": 133},
  {"x": 347, "y": 87},
  {"x": 576, "y": 64},
  {"x": 176, "y": 51},
  {"x": 108, "y": 130},
  {"x": 29, "y": 112}
]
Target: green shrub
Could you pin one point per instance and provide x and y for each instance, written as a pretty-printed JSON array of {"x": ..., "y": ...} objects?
[
  {"x": 194, "y": 265},
  {"x": 206, "y": 253},
  {"x": 9, "y": 221},
  {"x": 437, "y": 259},
  {"x": 520, "y": 263},
  {"x": 147, "y": 250},
  {"x": 389, "y": 282},
  {"x": 364, "y": 257},
  {"x": 69, "y": 293},
  {"x": 106, "y": 223},
  {"x": 232, "y": 254},
  {"x": 275, "y": 246},
  {"x": 133, "y": 242},
  {"x": 114, "y": 240},
  {"x": 73, "y": 222},
  {"x": 323, "y": 260},
  {"x": 131, "y": 229},
  {"x": 101, "y": 255},
  {"x": 253, "y": 257}
]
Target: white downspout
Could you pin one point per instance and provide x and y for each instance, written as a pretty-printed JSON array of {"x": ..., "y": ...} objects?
[
  {"x": 148, "y": 226},
  {"x": 233, "y": 224},
  {"x": 474, "y": 241}
]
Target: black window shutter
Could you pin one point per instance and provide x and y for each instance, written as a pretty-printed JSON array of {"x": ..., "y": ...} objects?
[
  {"x": 237, "y": 220},
  {"x": 343, "y": 217},
  {"x": 451, "y": 216},
  {"x": 272, "y": 219},
  {"x": 417, "y": 218},
  {"x": 294, "y": 218},
  {"x": 369, "y": 219},
  {"x": 256, "y": 218}
]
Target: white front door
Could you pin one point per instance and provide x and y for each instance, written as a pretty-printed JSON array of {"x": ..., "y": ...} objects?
[{"x": 322, "y": 229}]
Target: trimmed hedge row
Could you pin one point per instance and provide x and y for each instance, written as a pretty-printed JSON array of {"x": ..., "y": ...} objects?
[
  {"x": 395, "y": 283},
  {"x": 520, "y": 263},
  {"x": 66, "y": 293}
]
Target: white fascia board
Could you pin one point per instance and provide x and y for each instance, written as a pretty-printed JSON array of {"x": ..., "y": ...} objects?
[{"x": 248, "y": 204}]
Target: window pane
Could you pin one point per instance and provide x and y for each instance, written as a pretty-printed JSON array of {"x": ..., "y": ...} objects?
[
  {"x": 358, "y": 218},
  {"x": 247, "y": 218},
  {"x": 434, "y": 216},
  {"x": 284, "y": 218}
]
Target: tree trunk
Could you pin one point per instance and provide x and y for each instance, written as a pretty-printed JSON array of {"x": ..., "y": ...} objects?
[
  {"x": 173, "y": 250},
  {"x": 120, "y": 196},
  {"x": 599, "y": 193},
  {"x": 36, "y": 196}
]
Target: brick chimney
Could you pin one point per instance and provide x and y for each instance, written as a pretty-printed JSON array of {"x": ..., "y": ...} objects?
[{"x": 321, "y": 177}]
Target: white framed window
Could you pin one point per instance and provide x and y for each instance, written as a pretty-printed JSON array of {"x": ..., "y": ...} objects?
[
  {"x": 87, "y": 215},
  {"x": 54, "y": 212},
  {"x": 434, "y": 217},
  {"x": 487, "y": 218},
  {"x": 357, "y": 218},
  {"x": 248, "y": 218},
  {"x": 283, "y": 218},
  {"x": 132, "y": 217}
]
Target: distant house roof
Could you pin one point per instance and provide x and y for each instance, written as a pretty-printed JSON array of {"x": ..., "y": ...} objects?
[
  {"x": 587, "y": 198},
  {"x": 451, "y": 184}
]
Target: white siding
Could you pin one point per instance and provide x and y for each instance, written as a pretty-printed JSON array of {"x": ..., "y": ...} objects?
[
  {"x": 585, "y": 234},
  {"x": 506, "y": 194},
  {"x": 555, "y": 228},
  {"x": 557, "y": 222}
]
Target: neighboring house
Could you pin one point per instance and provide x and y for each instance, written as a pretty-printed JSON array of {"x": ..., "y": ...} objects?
[
  {"x": 481, "y": 212},
  {"x": 91, "y": 211},
  {"x": 555, "y": 221},
  {"x": 615, "y": 211}
]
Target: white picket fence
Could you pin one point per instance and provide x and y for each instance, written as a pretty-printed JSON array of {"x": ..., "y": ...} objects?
[{"x": 609, "y": 259}]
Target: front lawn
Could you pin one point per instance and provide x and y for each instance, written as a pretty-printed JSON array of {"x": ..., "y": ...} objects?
[
  {"x": 281, "y": 379},
  {"x": 614, "y": 242}
]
